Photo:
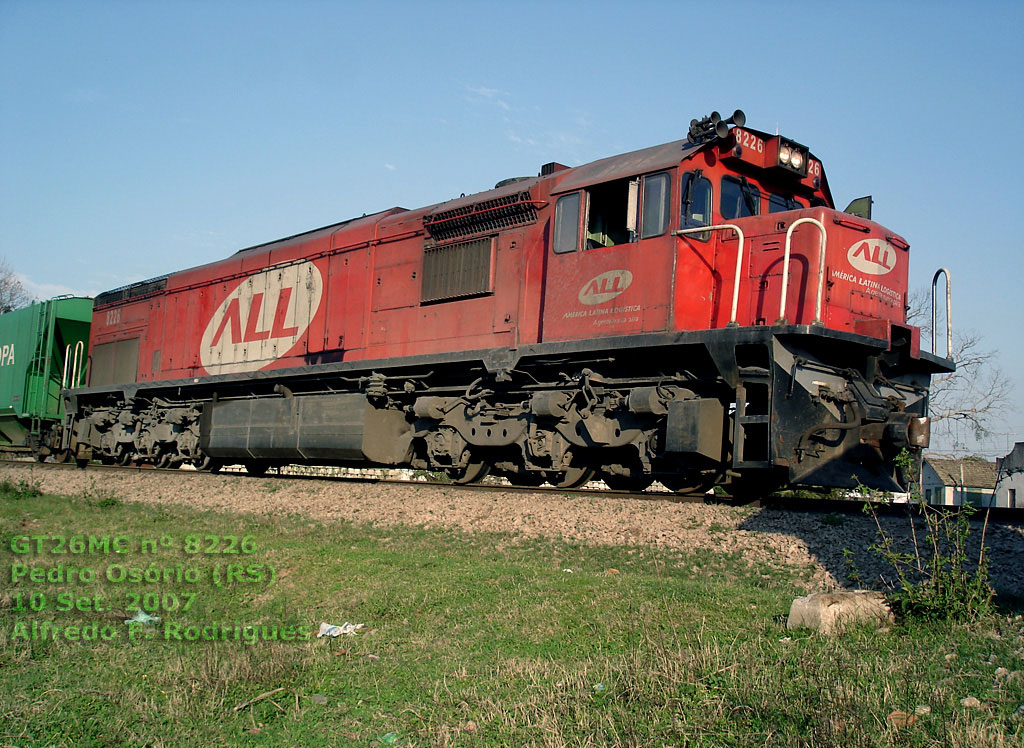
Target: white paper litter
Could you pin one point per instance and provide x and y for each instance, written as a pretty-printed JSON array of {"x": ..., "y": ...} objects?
[{"x": 346, "y": 629}]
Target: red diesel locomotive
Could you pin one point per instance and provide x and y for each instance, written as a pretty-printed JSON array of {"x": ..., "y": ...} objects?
[{"x": 695, "y": 312}]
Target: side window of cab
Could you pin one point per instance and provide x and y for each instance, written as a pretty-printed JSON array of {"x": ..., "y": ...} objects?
[
  {"x": 611, "y": 213},
  {"x": 617, "y": 212},
  {"x": 657, "y": 204},
  {"x": 567, "y": 224},
  {"x": 695, "y": 208}
]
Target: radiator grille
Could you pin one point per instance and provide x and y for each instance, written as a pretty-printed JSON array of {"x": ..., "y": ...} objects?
[
  {"x": 456, "y": 271},
  {"x": 142, "y": 288},
  {"x": 487, "y": 216}
]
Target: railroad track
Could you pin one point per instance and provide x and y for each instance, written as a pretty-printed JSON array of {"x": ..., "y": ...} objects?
[
  {"x": 594, "y": 489},
  {"x": 377, "y": 476}
]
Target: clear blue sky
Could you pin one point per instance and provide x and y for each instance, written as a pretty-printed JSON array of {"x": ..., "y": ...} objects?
[{"x": 138, "y": 138}]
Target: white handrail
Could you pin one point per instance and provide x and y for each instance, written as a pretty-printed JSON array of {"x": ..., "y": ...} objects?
[
  {"x": 64, "y": 373},
  {"x": 821, "y": 270},
  {"x": 739, "y": 258},
  {"x": 77, "y": 368},
  {"x": 949, "y": 310}
]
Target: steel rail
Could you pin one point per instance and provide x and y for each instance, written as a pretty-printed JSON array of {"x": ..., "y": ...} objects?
[{"x": 789, "y": 504}]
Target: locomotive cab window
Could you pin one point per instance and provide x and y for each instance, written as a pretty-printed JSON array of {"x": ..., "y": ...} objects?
[
  {"x": 657, "y": 202},
  {"x": 739, "y": 199},
  {"x": 611, "y": 213},
  {"x": 779, "y": 203},
  {"x": 567, "y": 224},
  {"x": 696, "y": 203}
]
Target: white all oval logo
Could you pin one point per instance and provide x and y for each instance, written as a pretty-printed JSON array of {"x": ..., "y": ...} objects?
[
  {"x": 872, "y": 256},
  {"x": 262, "y": 319},
  {"x": 605, "y": 287}
]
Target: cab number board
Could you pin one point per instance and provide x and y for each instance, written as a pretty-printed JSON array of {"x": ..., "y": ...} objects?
[{"x": 748, "y": 140}]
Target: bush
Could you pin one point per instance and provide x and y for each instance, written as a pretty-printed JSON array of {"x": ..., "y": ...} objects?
[
  {"x": 20, "y": 489},
  {"x": 936, "y": 579},
  {"x": 99, "y": 498}
]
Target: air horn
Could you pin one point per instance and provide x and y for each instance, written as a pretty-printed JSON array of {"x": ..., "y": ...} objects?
[{"x": 714, "y": 125}]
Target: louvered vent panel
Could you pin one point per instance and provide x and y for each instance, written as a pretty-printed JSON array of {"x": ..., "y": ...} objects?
[
  {"x": 456, "y": 271},
  {"x": 141, "y": 288},
  {"x": 486, "y": 216}
]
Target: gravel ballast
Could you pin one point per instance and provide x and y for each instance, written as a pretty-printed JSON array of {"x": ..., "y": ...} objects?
[{"x": 808, "y": 541}]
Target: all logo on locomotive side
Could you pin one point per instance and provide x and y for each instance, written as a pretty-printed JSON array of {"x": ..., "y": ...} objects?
[
  {"x": 605, "y": 287},
  {"x": 872, "y": 256},
  {"x": 262, "y": 319}
]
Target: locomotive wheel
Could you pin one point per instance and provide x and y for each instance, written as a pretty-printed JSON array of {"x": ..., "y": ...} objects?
[
  {"x": 164, "y": 460},
  {"x": 573, "y": 476},
  {"x": 65, "y": 456},
  {"x": 689, "y": 482},
  {"x": 636, "y": 482},
  {"x": 472, "y": 473},
  {"x": 124, "y": 458}
]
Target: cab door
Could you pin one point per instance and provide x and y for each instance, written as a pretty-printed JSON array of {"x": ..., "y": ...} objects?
[{"x": 609, "y": 269}]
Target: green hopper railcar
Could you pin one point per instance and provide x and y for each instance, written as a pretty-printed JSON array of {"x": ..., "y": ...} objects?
[{"x": 43, "y": 349}]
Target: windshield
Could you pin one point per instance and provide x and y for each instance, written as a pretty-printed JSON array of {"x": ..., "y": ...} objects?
[{"x": 739, "y": 199}]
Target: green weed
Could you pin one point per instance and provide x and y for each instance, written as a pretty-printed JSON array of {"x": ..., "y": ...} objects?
[
  {"x": 99, "y": 497},
  {"x": 23, "y": 488},
  {"x": 935, "y": 578}
]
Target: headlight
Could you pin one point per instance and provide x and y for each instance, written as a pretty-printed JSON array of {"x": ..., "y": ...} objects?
[{"x": 789, "y": 156}]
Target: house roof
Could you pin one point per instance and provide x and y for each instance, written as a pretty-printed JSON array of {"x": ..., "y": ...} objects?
[{"x": 976, "y": 473}]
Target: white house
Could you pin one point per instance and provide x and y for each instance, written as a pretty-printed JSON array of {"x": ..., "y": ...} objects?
[
  {"x": 973, "y": 481},
  {"x": 1010, "y": 477}
]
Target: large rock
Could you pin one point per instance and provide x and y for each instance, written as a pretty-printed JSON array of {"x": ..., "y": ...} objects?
[{"x": 832, "y": 612}]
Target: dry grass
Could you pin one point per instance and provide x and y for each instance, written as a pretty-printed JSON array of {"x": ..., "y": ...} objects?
[{"x": 488, "y": 640}]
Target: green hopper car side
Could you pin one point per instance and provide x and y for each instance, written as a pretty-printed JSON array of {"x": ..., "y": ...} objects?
[{"x": 43, "y": 349}]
